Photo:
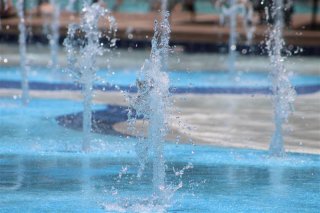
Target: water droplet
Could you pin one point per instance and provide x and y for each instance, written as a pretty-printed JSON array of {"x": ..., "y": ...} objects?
[{"x": 130, "y": 36}]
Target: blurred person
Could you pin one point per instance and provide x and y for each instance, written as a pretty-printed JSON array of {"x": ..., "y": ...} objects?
[
  {"x": 264, "y": 9},
  {"x": 155, "y": 5},
  {"x": 7, "y": 9},
  {"x": 189, "y": 6},
  {"x": 117, "y": 5},
  {"x": 183, "y": 5},
  {"x": 288, "y": 11},
  {"x": 44, "y": 8}
]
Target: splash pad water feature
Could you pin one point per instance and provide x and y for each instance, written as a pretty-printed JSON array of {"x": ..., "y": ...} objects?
[
  {"x": 283, "y": 92},
  {"x": 54, "y": 35},
  {"x": 45, "y": 170},
  {"x": 84, "y": 69},
  {"x": 152, "y": 103},
  {"x": 52, "y": 160},
  {"x": 23, "y": 53}
]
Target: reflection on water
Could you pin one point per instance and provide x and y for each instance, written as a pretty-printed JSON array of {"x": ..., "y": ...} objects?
[{"x": 61, "y": 181}]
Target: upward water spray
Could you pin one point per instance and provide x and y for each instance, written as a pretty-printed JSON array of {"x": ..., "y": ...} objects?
[
  {"x": 54, "y": 34},
  {"x": 23, "y": 53},
  {"x": 82, "y": 58},
  {"x": 152, "y": 103},
  {"x": 246, "y": 11},
  {"x": 283, "y": 92}
]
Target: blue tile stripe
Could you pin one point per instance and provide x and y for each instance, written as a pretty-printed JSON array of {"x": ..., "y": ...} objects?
[{"x": 301, "y": 90}]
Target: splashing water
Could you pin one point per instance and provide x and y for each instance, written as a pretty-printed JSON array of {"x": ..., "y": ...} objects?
[
  {"x": 232, "y": 12},
  {"x": 23, "y": 53},
  {"x": 233, "y": 37},
  {"x": 70, "y": 5},
  {"x": 86, "y": 3},
  {"x": 83, "y": 68},
  {"x": 152, "y": 102},
  {"x": 283, "y": 92},
  {"x": 54, "y": 37}
]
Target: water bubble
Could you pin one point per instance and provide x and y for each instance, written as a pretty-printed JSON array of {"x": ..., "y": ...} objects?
[
  {"x": 233, "y": 47},
  {"x": 244, "y": 51},
  {"x": 266, "y": 10},
  {"x": 113, "y": 42},
  {"x": 130, "y": 36}
]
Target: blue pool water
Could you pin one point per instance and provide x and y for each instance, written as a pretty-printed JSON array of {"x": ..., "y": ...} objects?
[
  {"x": 41, "y": 170},
  {"x": 178, "y": 79}
]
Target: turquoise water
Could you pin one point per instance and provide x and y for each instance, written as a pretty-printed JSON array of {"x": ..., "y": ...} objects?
[
  {"x": 127, "y": 77},
  {"x": 41, "y": 170}
]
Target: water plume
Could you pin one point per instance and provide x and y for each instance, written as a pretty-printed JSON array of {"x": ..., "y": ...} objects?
[
  {"x": 152, "y": 103},
  {"x": 283, "y": 92},
  {"x": 245, "y": 10},
  {"x": 54, "y": 36},
  {"x": 83, "y": 47},
  {"x": 23, "y": 53}
]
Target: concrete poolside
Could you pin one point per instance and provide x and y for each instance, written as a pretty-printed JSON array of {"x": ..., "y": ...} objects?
[{"x": 236, "y": 121}]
